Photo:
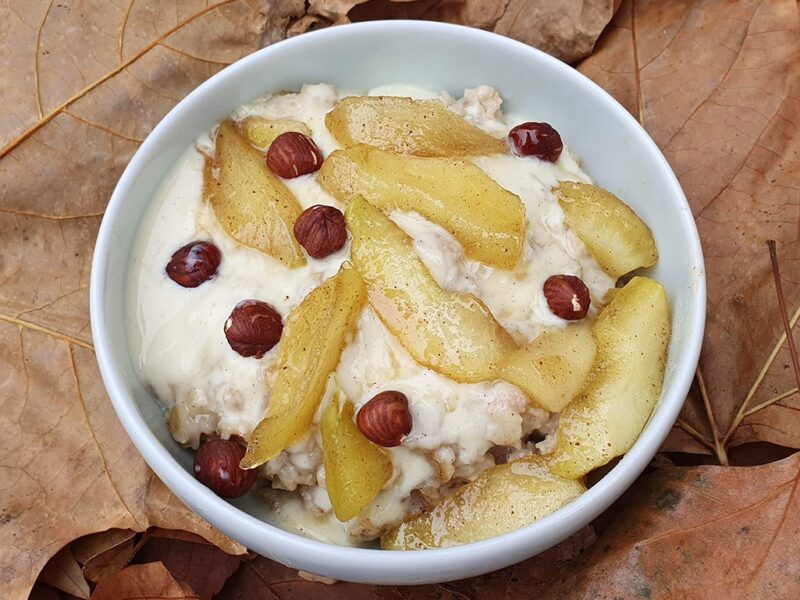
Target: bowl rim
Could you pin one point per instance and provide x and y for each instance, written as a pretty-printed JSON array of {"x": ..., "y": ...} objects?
[{"x": 375, "y": 564}]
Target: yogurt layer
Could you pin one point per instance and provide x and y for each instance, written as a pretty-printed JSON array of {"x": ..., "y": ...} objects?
[{"x": 459, "y": 429}]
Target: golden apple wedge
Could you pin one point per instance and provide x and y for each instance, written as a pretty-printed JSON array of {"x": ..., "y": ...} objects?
[
  {"x": 487, "y": 220},
  {"x": 632, "y": 335},
  {"x": 553, "y": 368},
  {"x": 315, "y": 334},
  {"x": 452, "y": 333},
  {"x": 502, "y": 499},
  {"x": 262, "y": 132},
  {"x": 419, "y": 127},
  {"x": 251, "y": 203},
  {"x": 615, "y": 235},
  {"x": 355, "y": 468}
]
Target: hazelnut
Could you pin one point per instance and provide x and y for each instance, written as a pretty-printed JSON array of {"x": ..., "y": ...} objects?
[
  {"x": 567, "y": 296},
  {"x": 385, "y": 419},
  {"x": 292, "y": 154},
  {"x": 321, "y": 230},
  {"x": 195, "y": 263},
  {"x": 216, "y": 466},
  {"x": 253, "y": 328},
  {"x": 536, "y": 139}
]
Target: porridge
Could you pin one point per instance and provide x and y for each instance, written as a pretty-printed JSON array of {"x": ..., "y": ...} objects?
[{"x": 394, "y": 314}]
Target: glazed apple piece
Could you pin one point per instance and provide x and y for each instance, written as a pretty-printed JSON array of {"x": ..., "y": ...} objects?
[
  {"x": 454, "y": 334},
  {"x": 554, "y": 367},
  {"x": 315, "y": 333},
  {"x": 355, "y": 468},
  {"x": 632, "y": 335},
  {"x": 487, "y": 220},
  {"x": 262, "y": 132},
  {"x": 502, "y": 499},
  {"x": 419, "y": 127},
  {"x": 252, "y": 204},
  {"x": 615, "y": 235}
]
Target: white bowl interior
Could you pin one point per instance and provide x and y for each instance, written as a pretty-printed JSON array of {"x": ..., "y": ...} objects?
[{"x": 615, "y": 152}]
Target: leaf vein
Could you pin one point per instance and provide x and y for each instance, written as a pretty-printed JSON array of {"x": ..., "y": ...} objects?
[{"x": 79, "y": 94}]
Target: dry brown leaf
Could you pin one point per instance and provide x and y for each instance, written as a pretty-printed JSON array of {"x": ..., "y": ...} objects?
[
  {"x": 150, "y": 581},
  {"x": 86, "y": 548},
  {"x": 704, "y": 532},
  {"x": 567, "y": 29},
  {"x": 175, "y": 534},
  {"x": 64, "y": 573},
  {"x": 109, "y": 562},
  {"x": 70, "y": 468},
  {"x": 104, "y": 553},
  {"x": 717, "y": 85},
  {"x": 332, "y": 10},
  {"x": 193, "y": 561}
]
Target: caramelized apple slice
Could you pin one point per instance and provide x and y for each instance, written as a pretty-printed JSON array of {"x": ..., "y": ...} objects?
[
  {"x": 487, "y": 220},
  {"x": 252, "y": 204},
  {"x": 632, "y": 335},
  {"x": 261, "y": 132},
  {"x": 420, "y": 127},
  {"x": 554, "y": 367},
  {"x": 615, "y": 235},
  {"x": 454, "y": 334},
  {"x": 355, "y": 468},
  {"x": 315, "y": 334},
  {"x": 502, "y": 499}
]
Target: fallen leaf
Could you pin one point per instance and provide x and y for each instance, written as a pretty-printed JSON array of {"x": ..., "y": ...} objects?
[
  {"x": 332, "y": 10},
  {"x": 175, "y": 534},
  {"x": 104, "y": 553},
  {"x": 568, "y": 29},
  {"x": 717, "y": 86},
  {"x": 86, "y": 548},
  {"x": 151, "y": 581},
  {"x": 200, "y": 565},
  {"x": 64, "y": 573},
  {"x": 110, "y": 561},
  {"x": 702, "y": 532},
  {"x": 57, "y": 413}
]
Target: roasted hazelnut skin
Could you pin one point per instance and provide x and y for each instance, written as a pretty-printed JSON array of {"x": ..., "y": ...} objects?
[
  {"x": 292, "y": 154},
  {"x": 567, "y": 296},
  {"x": 385, "y": 419},
  {"x": 321, "y": 230},
  {"x": 216, "y": 465},
  {"x": 194, "y": 264},
  {"x": 253, "y": 328},
  {"x": 536, "y": 139}
]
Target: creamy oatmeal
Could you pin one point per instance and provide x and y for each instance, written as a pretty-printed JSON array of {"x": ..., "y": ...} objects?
[{"x": 459, "y": 429}]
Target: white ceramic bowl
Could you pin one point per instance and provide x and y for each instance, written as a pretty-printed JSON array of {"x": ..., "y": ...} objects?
[{"x": 615, "y": 151}]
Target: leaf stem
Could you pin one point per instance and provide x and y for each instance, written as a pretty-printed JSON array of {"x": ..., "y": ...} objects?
[
  {"x": 787, "y": 328},
  {"x": 766, "y": 403},
  {"x": 694, "y": 433},
  {"x": 743, "y": 411},
  {"x": 719, "y": 447}
]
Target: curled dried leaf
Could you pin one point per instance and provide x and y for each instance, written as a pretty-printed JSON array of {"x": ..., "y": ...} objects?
[{"x": 150, "y": 580}]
